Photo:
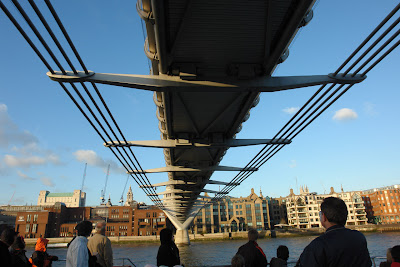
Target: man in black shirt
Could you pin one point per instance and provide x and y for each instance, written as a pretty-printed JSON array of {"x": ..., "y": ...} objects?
[
  {"x": 338, "y": 246},
  {"x": 253, "y": 255}
]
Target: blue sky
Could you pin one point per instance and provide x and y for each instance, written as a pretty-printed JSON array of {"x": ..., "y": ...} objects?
[{"x": 45, "y": 141}]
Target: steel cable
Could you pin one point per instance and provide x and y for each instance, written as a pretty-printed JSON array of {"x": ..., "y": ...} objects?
[{"x": 38, "y": 35}]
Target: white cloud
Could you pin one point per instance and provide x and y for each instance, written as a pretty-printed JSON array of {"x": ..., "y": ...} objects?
[
  {"x": 24, "y": 176},
  {"x": 25, "y": 162},
  {"x": 90, "y": 157},
  {"x": 293, "y": 164},
  {"x": 345, "y": 114},
  {"x": 25, "y": 148},
  {"x": 47, "y": 181},
  {"x": 291, "y": 110},
  {"x": 10, "y": 134}
]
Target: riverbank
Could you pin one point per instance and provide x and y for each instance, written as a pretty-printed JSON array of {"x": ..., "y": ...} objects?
[{"x": 279, "y": 233}]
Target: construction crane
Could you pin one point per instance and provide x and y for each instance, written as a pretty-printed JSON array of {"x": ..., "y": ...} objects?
[
  {"x": 103, "y": 192},
  {"x": 123, "y": 191},
  {"x": 8, "y": 204},
  {"x": 84, "y": 177}
]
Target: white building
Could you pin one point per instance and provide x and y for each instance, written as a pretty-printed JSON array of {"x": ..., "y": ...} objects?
[
  {"x": 303, "y": 209},
  {"x": 74, "y": 199}
]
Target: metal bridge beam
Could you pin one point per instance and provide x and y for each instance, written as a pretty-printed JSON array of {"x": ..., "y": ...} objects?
[
  {"x": 183, "y": 143},
  {"x": 164, "y": 83},
  {"x": 182, "y": 182},
  {"x": 194, "y": 169}
]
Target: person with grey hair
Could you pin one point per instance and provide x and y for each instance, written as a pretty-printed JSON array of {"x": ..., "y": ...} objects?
[
  {"x": 253, "y": 255},
  {"x": 100, "y": 246}
]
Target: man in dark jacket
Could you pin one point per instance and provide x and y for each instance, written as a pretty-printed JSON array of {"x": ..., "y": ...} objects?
[
  {"x": 253, "y": 255},
  {"x": 17, "y": 251},
  {"x": 7, "y": 238},
  {"x": 168, "y": 252},
  {"x": 338, "y": 246}
]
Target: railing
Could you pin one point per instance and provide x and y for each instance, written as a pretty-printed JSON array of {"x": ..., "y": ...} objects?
[
  {"x": 376, "y": 257},
  {"x": 124, "y": 260},
  {"x": 289, "y": 263}
]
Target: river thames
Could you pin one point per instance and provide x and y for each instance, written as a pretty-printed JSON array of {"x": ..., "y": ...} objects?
[{"x": 211, "y": 253}]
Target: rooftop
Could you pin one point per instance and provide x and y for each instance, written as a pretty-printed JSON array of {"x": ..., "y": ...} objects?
[{"x": 60, "y": 195}]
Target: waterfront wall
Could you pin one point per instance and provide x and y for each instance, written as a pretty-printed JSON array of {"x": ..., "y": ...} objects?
[{"x": 232, "y": 235}]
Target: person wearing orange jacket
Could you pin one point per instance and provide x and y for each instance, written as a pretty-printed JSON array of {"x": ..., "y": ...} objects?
[{"x": 40, "y": 258}]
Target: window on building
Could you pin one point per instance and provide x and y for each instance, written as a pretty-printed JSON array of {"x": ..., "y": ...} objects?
[
  {"x": 27, "y": 228},
  {"x": 28, "y": 218},
  {"x": 34, "y": 228}
]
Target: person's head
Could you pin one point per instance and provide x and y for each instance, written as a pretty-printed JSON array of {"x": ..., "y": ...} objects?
[
  {"x": 282, "y": 252},
  {"x": 389, "y": 255},
  {"x": 252, "y": 235},
  {"x": 84, "y": 228},
  {"x": 333, "y": 211},
  {"x": 8, "y": 236},
  {"x": 41, "y": 244},
  {"x": 19, "y": 243},
  {"x": 166, "y": 236},
  {"x": 395, "y": 253},
  {"x": 237, "y": 261},
  {"x": 100, "y": 228}
]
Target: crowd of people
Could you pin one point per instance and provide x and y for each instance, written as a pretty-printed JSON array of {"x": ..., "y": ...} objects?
[{"x": 337, "y": 247}]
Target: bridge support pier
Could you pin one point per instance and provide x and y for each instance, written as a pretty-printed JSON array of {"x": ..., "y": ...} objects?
[
  {"x": 182, "y": 237},
  {"x": 182, "y": 233}
]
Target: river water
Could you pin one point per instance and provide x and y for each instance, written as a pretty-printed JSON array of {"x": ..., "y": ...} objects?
[{"x": 211, "y": 253}]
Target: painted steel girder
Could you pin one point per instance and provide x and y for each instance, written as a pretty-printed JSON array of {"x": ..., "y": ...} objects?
[
  {"x": 165, "y": 83},
  {"x": 179, "y": 143}
]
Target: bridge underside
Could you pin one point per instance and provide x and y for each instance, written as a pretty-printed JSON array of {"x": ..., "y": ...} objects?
[{"x": 210, "y": 41}]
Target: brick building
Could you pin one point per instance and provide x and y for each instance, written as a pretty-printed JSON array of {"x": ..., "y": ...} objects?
[
  {"x": 383, "y": 204},
  {"x": 149, "y": 222},
  {"x": 60, "y": 221},
  {"x": 41, "y": 223}
]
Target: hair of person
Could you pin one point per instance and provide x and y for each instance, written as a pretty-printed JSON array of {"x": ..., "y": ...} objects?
[
  {"x": 282, "y": 252},
  {"x": 18, "y": 243},
  {"x": 8, "y": 236},
  {"x": 100, "y": 227},
  {"x": 166, "y": 236},
  {"x": 395, "y": 253},
  {"x": 335, "y": 210},
  {"x": 237, "y": 261},
  {"x": 252, "y": 234},
  {"x": 84, "y": 228}
]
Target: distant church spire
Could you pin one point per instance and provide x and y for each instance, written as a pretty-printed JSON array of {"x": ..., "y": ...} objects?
[
  {"x": 261, "y": 195},
  {"x": 129, "y": 198}
]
